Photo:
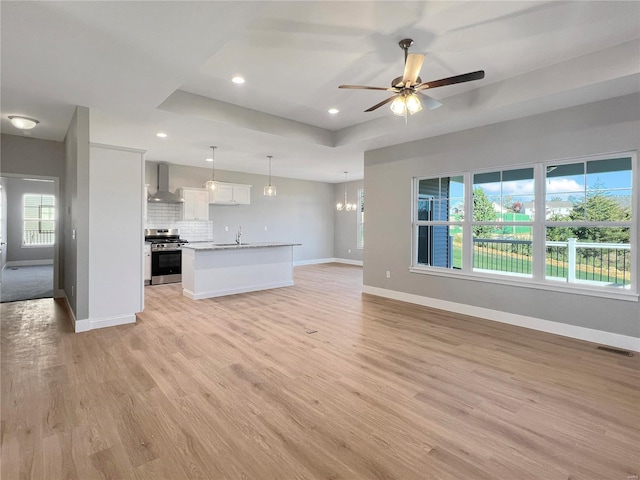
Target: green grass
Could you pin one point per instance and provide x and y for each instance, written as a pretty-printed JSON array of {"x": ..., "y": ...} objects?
[{"x": 503, "y": 262}]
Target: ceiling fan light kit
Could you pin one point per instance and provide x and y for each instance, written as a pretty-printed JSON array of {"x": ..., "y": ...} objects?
[{"x": 408, "y": 88}]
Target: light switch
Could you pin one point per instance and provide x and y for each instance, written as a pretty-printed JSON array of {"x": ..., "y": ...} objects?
[{"x": 73, "y": 234}]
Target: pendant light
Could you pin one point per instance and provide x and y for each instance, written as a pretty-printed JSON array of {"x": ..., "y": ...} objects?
[
  {"x": 346, "y": 205},
  {"x": 270, "y": 190},
  {"x": 211, "y": 184}
]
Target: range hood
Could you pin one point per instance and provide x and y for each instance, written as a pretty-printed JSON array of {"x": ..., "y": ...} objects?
[{"x": 163, "y": 195}]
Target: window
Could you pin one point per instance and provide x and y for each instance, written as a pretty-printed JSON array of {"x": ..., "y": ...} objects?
[
  {"x": 567, "y": 222},
  {"x": 38, "y": 219},
  {"x": 360, "y": 219},
  {"x": 440, "y": 212},
  {"x": 588, "y": 222},
  {"x": 502, "y": 231}
]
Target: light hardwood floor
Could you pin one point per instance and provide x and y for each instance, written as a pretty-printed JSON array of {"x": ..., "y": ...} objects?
[{"x": 239, "y": 388}]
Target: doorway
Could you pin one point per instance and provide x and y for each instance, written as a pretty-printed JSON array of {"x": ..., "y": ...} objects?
[{"x": 28, "y": 237}]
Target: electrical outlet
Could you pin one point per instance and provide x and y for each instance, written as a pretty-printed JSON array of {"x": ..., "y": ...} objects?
[
  {"x": 73, "y": 234},
  {"x": 265, "y": 228},
  {"x": 388, "y": 274},
  {"x": 349, "y": 250},
  {"x": 73, "y": 290},
  {"x": 226, "y": 228}
]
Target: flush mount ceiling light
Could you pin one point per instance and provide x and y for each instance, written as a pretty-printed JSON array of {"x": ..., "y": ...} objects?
[
  {"x": 270, "y": 190},
  {"x": 211, "y": 184},
  {"x": 161, "y": 135},
  {"x": 333, "y": 111},
  {"x": 346, "y": 206},
  {"x": 23, "y": 123},
  {"x": 409, "y": 88},
  {"x": 238, "y": 80}
]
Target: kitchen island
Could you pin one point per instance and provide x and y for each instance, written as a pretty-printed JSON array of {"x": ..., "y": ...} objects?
[{"x": 213, "y": 269}]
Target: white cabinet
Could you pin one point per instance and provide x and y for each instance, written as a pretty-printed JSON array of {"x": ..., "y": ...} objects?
[
  {"x": 230, "y": 194},
  {"x": 147, "y": 263},
  {"x": 196, "y": 204}
]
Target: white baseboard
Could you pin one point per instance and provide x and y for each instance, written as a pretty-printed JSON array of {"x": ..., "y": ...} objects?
[
  {"x": 87, "y": 324},
  {"x": 348, "y": 261},
  {"x": 27, "y": 263},
  {"x": 233, "y": 291},
  {"x": 317, "y": 261},
  {"x": 68, "y": 305},
  {"x": 581, "y": 333}
]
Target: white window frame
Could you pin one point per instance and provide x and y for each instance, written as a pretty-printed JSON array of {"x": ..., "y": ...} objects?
[
  {"x": 40, "y": 219},
  {"x": 538, "y": 279}
]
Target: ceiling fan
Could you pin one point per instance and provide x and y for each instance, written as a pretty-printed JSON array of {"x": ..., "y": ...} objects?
[{"x": 409, "y": 87}]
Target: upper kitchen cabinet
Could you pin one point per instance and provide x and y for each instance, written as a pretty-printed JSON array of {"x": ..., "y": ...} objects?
[
  {"x": 196, "y": 204},
  {"x": 230, "y": 194}
]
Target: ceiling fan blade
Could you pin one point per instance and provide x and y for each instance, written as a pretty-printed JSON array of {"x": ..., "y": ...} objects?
[
  {"x": 467, "y": 77},
  {"x": 362, "y": 87},
  {"x": 429, "y": 102},
  {"x": 412, "y": 69},
  {"x": 378, "y": 105}
]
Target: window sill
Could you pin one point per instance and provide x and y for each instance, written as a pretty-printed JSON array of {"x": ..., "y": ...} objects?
[
  {"x": 520, "y": 281},
  {"x": 44, "y": 245}
]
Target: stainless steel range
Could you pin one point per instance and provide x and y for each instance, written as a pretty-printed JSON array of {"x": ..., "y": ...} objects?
[{"x": 166, "y": 255}]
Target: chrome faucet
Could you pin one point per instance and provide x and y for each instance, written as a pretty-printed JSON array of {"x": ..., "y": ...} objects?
[{"x": 239, "y": 236}]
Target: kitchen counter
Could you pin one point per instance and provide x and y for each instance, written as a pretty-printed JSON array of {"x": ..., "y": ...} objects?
[
  {"x": 214, "y": 269},
  {"x": 227, "y": 246}
]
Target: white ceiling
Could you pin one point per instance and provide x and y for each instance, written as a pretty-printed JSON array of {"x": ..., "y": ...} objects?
[{"x": 143, "y": 67}]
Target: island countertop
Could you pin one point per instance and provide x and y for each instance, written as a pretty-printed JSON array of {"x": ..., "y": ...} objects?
[
  {"x": 201, "y": 246},
  {"x": 213, "y": 269}
]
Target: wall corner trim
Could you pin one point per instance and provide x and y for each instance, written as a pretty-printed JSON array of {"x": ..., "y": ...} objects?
[{"x": 557, "y": 328}]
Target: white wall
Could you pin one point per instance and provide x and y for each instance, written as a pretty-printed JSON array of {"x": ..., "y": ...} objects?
[
  {"x": 607, "y": 126},
  {"x": 302, "y": 212},
  {"x": 115, "y": 237}
]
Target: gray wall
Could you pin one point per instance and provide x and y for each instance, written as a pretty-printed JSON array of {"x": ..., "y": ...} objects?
[
  {"x": 76, "y": 214},
  {"x": 607, "y": 126},
  {"x": 32, "y": 156},
  {"x": 24, "y": 156},
  {"x": 302, "y": 212},
  {"x": 16, "y": 187},
  {"x": 346, "y": 224}
]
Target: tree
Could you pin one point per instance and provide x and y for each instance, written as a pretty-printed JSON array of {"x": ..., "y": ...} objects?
[
  {"x": 483, "y": 211},
  {"x": 599, "y": 207}
]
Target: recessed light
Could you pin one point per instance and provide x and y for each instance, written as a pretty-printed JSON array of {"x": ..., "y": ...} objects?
[
  {"x": 209, "y": 159},
  {"x": 161, "y": 135},
  {"x": 238, "y": 79},
  {"x": 333, "y": 111},
  {"x": 23, "y": 123}
]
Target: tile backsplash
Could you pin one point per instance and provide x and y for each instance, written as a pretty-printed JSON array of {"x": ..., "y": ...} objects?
[{"x": 169, "y": 215}]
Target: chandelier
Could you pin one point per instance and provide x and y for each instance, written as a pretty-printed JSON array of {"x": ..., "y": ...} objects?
[
  {"x": 270, "y": 190},
  {"x": 349, "y": 207},
  {"x": 211, "y": 184}
]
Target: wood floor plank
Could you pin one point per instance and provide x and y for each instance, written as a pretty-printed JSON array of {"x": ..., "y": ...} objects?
[{"x": 313, "y": 381}]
